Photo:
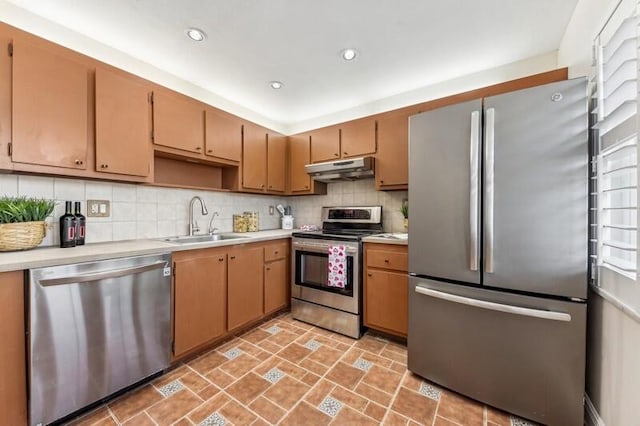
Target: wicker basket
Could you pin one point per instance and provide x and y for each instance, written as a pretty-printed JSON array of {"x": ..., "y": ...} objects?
[{"x": 21, "y": 235}]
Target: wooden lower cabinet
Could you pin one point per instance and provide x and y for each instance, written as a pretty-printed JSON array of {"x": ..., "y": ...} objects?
[
  {"x": 276, "y": 276},
  {"x": 385, "y": 288},
  {"x": 13, "y": 376},
  {"x": 200, "y": 298},
  {"x": 245, "y": 285}
]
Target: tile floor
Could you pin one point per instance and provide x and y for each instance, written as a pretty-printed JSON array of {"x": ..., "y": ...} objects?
[{"x": 291, "y": 373}]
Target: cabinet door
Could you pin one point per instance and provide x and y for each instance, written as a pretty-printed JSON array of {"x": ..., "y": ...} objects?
[
  {"x": 50, "y": 108},
  {"x": 385, "y": 299},
  {"x": 276, "y": 160},
  {"x": 254, "y": 157},
  {"x": 178, "y": 122},
  {"x": 300, "y": 146},
  {"x": 358, "y": 137},
  {"x": 275, "y": 286},
  {"x": 223, "y": 135},
  {"x": 325, "y": 144},
  {"x": 123, "y": 144},
  {"x": 13, "y": 381},
  {"x": 392, "y": 161},
  {"x": 199, "y": 300},
  {"x": 245, "y": 288}
]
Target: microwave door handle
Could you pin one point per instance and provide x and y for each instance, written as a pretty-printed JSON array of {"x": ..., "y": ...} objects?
[
  {"x": 473, "y": 190},
  {"x": 489, "y": 189}
]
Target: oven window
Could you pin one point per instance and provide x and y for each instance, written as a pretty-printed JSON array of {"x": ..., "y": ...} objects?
[{"x": 312, "y": 270}]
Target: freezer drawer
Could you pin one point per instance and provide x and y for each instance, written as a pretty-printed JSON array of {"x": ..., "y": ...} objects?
[{"x": 522, "y": 354}]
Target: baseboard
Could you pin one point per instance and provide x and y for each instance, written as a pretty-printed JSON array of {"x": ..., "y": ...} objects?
[{"x": 592, "y": 418}]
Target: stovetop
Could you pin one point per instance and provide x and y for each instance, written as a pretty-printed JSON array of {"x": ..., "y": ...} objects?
[{"x": 347, "y": 223}]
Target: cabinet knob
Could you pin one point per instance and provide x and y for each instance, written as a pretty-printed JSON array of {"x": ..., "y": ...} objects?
[
  {"x": 335, "y": 154},
  {"x": 232, "y": 257},
  {"x": 220, "y": 259},
  {"x": 104, "y": 166},
  {"x": 268, "y": 269},
  {"x": 209, "y": 150},
  {"x": 198, "y": 148},
  {"x": 369, "y": 275},
  {"x": 386, "y": 261},
  {"x": 79, "y": 162},
  {"x": 276, "y": 252},
  {"x": 306, "y": 187},
  {"x": 381, "y": 181},
  {"x": 262, "y": 186},
  {"x": 270, "y": 186},
  {"x": 345, "y": 153}
]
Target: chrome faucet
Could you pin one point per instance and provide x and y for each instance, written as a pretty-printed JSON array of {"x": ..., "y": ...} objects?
[
  {"x": 193, "y": 225},
  {"x": 212, "y": 230}
]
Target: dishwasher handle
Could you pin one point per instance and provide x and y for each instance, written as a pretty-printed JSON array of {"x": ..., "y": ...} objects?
[
  {"x": 483, "y": 304},
  {"x": 96, "y": 276}
]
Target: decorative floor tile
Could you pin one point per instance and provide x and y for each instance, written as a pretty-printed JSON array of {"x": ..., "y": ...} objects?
[
  {"x": 330, "y": 406},
  {"x": 171, "y": 388},
  {"x": 430, "y": 391},
  {"x": 362, "y": 364},
  {"x": 274, "y": 329},
  {"x": 274, "y": 375},
  {"x": 233, "y": 353},
  {"x": 313, "y": 345},
  {"x": 517, "y": 421},
  {"x": 215, "y": 419}
]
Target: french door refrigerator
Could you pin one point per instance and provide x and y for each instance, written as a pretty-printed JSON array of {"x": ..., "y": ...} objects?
[{"x": 498, "y": 250}]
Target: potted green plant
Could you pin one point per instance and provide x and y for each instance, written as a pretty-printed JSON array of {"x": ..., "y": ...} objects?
[
  {"x": 22, "y": 222},
  {"x": 404, "y": 209}
]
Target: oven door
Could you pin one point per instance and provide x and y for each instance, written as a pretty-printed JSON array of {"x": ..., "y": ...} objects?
[{"x": 310, "y": 270}]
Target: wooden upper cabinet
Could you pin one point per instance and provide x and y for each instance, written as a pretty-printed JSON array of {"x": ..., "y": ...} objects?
[
  {"x": 123, "y": 128},
  {"x": 325, "y": 144},
  {"x": 276, "y": 162},
  {"x": 392, "y": 162},
  {"x": 223, "y": 135},
  {"x": 300, "y": 149},
  {"x": 178, "y": 122},
  {"x": 5, "y": 103},
  {"x": 358, "y": 137},
  {"x": 254, "y": 157},
  {"x": 50, "y": 108}
]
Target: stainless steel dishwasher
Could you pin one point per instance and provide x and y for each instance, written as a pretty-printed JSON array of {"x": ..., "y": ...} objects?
[{"x": 95, "y": 328}]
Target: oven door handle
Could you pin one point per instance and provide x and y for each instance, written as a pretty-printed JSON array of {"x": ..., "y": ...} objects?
[{"x": 320, "y": 247}]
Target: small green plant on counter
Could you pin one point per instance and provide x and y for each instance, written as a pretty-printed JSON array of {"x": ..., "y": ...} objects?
[
  {"x": 404, "y": 209},
  {"x": 22, "y": 209}
]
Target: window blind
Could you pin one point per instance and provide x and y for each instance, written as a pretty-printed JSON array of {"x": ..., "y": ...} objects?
[{"x": 614, "y": 147}]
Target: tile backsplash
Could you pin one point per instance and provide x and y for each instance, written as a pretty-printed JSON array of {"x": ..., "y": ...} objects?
[
  {"x": 141, "y": 211},
  {"x": 138, "y": 211},
  {"x": 306, "y": 209}
]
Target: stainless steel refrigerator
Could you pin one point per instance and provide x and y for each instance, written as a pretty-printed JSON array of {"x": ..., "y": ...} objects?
[{"x": 498, "y": 250}]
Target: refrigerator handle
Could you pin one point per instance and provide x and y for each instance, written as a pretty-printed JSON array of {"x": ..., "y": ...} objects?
[
  {"x": 489, "y": 188},
  {"x": 473, "y": 190},
  {"x": 483, "y": 304}
]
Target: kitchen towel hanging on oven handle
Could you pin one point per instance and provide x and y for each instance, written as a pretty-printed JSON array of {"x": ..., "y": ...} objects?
[{"x": 337, "y": 266}]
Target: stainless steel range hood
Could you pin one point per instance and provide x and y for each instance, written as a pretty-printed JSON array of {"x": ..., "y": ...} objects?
[{"x": 347, "y": 169}]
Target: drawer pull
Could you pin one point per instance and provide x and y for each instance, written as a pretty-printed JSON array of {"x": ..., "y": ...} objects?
[
  {"x": 386, "y": 261},
  {"x": 232, "y": 257},
  {"x": 220, "y": 259},
  {"x": 369, "y": 275}
]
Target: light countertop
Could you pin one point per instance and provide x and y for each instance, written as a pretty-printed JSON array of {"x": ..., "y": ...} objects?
[
  {"x": 52, "y": 256},
  {"x": 397, "y": 238}
]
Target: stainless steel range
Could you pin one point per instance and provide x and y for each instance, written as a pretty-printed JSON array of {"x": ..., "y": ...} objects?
[{"x": 316, "y": 298}]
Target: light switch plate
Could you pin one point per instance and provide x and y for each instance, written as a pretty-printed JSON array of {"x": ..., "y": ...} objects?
[{"x": 98, "y": 208}]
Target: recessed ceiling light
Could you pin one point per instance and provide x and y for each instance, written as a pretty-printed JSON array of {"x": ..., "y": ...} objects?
[
  {"x": 349, "y": 54},
  {"x": 196, "y": 34},
  {"x": 276, "y": 84}
]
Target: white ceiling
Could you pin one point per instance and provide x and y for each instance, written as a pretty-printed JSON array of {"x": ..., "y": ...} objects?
[{"x": 403, "y": 44}]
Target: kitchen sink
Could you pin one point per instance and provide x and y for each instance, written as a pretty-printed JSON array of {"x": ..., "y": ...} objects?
[{"x": 194, "y": 239}]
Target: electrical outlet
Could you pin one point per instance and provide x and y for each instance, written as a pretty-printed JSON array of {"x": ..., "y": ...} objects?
[
  {"x": 98, "y": 208},
  {"x": 271, "y": 210}
]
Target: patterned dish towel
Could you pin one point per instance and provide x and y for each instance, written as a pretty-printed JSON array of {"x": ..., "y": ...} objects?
[{"x": 337, "y": 266}]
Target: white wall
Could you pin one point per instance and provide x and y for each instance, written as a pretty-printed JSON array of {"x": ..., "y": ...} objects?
[
  {"x": 613, "y": 342},
  {"x": 138, "y": 211}
]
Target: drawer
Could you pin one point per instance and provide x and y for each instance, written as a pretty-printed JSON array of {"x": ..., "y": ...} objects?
[
  {"x": 387, "y": 259},
  {"x": 276, "y": 251}
]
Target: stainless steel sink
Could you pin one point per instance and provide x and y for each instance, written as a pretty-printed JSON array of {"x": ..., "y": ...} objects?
[{"x": 194, "y": 239}]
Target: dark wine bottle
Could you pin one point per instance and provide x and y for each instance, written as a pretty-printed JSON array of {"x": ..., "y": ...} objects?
[
  {"x": 81, "y": 223},
  {"x": 67, "y": 227}
]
